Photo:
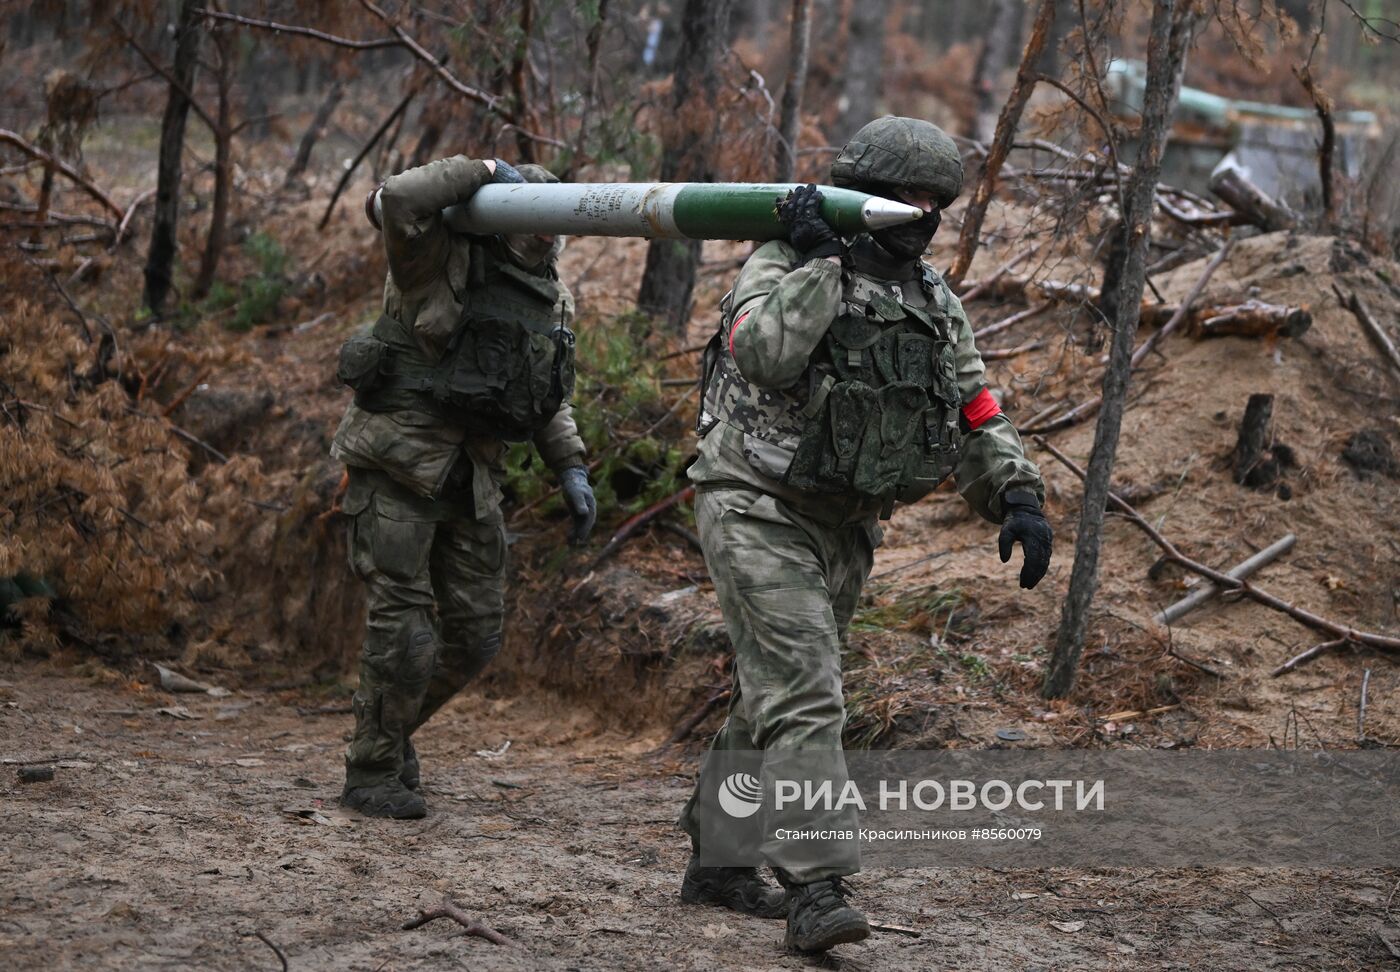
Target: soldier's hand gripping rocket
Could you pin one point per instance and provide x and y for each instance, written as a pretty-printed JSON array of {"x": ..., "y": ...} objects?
[
  {"x": 808, "y": 232},
  {"x": 500, "y": 172},
  {"x": 1025, "y": 523}
]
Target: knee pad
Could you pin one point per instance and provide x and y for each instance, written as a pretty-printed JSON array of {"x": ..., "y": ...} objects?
[
  {"x": 489, "y": 647},
  {"x": 419, "y": 653},
  {"x": 473, "y": 657}
]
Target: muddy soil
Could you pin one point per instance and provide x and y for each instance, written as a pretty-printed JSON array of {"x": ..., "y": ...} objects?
[{"x": 168, "y": 843}]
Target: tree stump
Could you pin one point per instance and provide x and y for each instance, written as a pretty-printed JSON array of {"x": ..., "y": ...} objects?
[{"x": 1258, "y": 460}]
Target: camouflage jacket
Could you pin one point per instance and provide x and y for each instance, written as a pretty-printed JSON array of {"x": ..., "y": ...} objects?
[
  {"x": 777, "y": 317},
  {"x": 428, "y": 268}
]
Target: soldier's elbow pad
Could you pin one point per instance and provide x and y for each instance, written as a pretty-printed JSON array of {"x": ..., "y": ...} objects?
[
  {"x": 763, "y": 375},
  {"x": 761, "y": 370}
]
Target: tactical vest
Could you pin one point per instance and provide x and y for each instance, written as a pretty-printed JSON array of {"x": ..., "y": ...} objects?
[
  {"x": 508, "y": 367},
  {"x": 875, "y": 414}
]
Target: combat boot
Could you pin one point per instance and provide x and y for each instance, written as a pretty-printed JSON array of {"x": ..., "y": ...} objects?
[
  {"x": 819, "y": 917},
  {"x": 739, "y": 889},
  {"x": 410, "y": 774},
  {"x": 391, "y": 799}
]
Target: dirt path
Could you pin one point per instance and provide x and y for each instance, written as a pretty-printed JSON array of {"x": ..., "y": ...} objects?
[{"x": 167, "y": 843}]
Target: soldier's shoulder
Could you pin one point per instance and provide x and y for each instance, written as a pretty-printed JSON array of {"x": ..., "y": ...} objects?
[
  {"x": 769, "y": 262},
  {"x": 773, "y": 253}
]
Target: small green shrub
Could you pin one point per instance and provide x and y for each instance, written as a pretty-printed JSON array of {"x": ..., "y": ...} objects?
[
  {"x": 257, "y": 296},
  {"x": 617, "y": 396}
]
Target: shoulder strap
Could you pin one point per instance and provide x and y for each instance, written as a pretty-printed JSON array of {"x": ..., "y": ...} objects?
[
  {"x": 935, "y": 286},
  {"x": 726, "y": 310}
]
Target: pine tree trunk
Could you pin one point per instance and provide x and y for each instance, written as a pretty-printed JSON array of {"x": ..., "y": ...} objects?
[
  {"x": 1173, "y": 22},
  {"x": 971, "y": 235},
  {"x": 865, "y": 57},
  {"x": 689, "y": 154},
  {"x": 160, "y": 260},
  {"x": 790, "y": 117},
  {"x": 519, "y": 83},
  {"x": 996, "y": 56},
  {"x": 223, "y": 172},
  {"x": 317, "y": 128},
  {"x": 1051, "y": 61}
]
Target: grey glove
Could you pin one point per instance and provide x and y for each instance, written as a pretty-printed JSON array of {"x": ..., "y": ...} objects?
[
  {"x": 506, "y": 173},
  {"x": 1025, "y": 523},
  {"x": 578, "y": 494}
]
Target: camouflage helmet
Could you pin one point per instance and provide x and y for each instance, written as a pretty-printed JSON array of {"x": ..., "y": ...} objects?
[{"x": 904, "y": 153}]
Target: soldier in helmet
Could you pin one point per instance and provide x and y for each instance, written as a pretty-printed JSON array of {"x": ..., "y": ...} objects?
[
  {"x": 844, "y": 379},
  {"x": 473, "y": 350}
]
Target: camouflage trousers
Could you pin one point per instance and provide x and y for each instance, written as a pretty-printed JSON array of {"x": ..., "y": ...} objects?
[
  {"x": 788, "y": 587},
  {"x": 435, "y": 587}
]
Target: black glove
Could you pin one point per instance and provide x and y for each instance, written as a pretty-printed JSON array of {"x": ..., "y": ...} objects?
[
  {"x": 582, "y": 506},
  {"x": 808, "y": 232},
  {"x": 1025, "y": 522}
]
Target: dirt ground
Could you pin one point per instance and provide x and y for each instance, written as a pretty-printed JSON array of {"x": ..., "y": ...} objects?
[{"x": 169, "y": 842}]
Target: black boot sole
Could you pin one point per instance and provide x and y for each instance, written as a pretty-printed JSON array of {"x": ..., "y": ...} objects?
[
  {"x": 693, "y": 894},
  {"x": 846, "y": 934},
  {"x": 376, "y": 810}
]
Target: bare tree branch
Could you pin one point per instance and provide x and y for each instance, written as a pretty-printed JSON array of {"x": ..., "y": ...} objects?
[
  {"x": 1307, "y": 618},
  {"x": 355, "y": 45},
  {"x": 70, "y": 173},
  {"x": 450, "y": 909},
  {"x": 492, "y": 103},
  {"x": 165, "y": 73}
]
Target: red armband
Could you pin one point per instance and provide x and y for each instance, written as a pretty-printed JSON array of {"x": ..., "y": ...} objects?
[
  {"x": 983, "y": 407},
  {"x": 734, "y": 327}
]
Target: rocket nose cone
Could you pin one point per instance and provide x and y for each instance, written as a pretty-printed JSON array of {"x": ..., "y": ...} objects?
[{"x": 879, "y": 213}]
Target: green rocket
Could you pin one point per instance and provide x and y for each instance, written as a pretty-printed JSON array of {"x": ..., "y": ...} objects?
[{"x": 678, "y": 210}]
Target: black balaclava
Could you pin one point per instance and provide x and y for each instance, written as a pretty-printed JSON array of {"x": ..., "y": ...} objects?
[{"x": 908, "y": 240}]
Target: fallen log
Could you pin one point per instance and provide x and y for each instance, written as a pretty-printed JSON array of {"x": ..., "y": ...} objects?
[
  {"x": 1207, "y": 590},
  {"x": 1250, "y": 318},
  {"x": 1341, "y": 632},
  {"x": 1253, "y": 318},
  {"x": 1055, "y": 290},
  {"x": 1249, "y": 201},
  {"x": 1195, "y": 219}
]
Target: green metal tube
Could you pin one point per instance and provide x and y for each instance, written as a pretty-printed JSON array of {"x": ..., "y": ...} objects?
[{"x": 698, "y": 211}]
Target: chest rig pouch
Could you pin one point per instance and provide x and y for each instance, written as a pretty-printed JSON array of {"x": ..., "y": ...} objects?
[
  {"x": 509, "y": 365},
  {"x": 883, "y": 399}
]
